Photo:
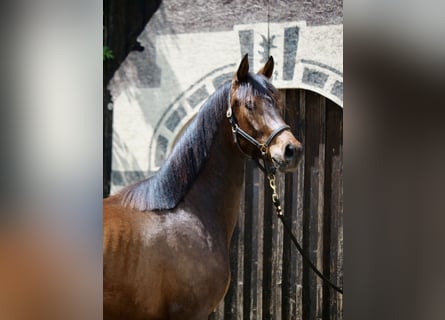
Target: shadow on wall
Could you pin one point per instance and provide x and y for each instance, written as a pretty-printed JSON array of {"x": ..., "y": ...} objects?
[{"x": 123, "y": 21}]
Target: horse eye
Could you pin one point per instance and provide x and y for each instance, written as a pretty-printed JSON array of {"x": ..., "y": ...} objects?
[{"x": 250, "y": 105}]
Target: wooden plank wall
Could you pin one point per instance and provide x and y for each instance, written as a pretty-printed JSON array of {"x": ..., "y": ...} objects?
[{"x": 269, "y": 279}]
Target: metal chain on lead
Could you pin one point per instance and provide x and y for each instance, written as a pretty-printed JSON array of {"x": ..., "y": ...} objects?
[{"x": 275, "y": 196}]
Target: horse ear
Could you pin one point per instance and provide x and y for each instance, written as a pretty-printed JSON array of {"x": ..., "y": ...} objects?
[
  {"x": 243, "y": 69},
  {"x": 267, "y": 69}
]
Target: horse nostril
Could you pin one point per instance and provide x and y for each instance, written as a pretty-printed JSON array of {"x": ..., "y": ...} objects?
[{"x": 289, "y": 152}]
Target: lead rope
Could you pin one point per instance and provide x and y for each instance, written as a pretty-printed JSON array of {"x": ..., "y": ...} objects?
[{"x": 279, "y": 211}]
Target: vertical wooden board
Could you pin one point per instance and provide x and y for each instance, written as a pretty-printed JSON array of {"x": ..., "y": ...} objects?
[
  {"x": 298, "y": 211},
  {"x": 267, "y": 252},
  {"x": 248, "y": 242},
  {"x": 240, "y": 252},
  {"x": 313, "y": 203},
  {"x": 307, "y": 305},
  {"x": 339, "y": 229},
  {"x": 327, "y": 249},
  {"x": 320, "y": 205},
  {"x": 277, "y": 253},
  {"x": 289, "y": 258},
  {"x": 286, "y": 294},
  {"x": 259, "y": 181},
  {"x": 277, "y": 245},
  {"x": 251, "y": 298},
  {"x": 334, "y": 209},
  {"x": 298, "y": 224},
  {"x": 338, "y": 166},
  {"x": 337, "y": 236},
  {"x": 241, "y": 248}
]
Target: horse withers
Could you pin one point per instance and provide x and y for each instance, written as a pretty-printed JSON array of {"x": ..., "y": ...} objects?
[{"x": 167, "y": 238}]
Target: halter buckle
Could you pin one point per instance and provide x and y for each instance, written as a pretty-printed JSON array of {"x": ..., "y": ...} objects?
[
  {"x": 263, "y": 149},
  {"x": 229, "y": 112}
]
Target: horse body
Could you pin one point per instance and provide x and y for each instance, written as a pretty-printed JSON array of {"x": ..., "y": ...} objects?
[
  {"x": 157, "y": 253},
  {"x": 167, "y": 239}
]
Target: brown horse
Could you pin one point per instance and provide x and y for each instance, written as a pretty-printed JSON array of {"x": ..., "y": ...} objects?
[{"x": 167, "y": 238}]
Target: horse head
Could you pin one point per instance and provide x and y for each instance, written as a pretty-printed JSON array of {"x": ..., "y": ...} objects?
[{"x": 254, "y": 113}]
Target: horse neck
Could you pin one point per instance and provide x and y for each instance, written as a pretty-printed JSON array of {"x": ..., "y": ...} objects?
[{"x": 217, "y": 191}]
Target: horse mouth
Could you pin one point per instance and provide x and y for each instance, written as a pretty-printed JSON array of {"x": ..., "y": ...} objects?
[{"x": 284, "y": 166}]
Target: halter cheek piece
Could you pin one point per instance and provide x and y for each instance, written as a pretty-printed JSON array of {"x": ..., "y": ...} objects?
[{"x": 268, "y": 165}]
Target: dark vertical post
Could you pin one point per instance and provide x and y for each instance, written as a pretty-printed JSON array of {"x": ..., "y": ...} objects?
[
  {"x": 298, "y": 223},
  {"x": 313, "y": 203},
  {"x": 107, "y": 112},
  {"x": 267, "y": 252},
  {"x": 292, "y": 195},
  {"x": 332, "y": 208},
  {"x": 330, "y": 130},
  {"x": 123, "y": 21},
  {"x": 248, "y": 245},
  {"x": 257, "y": 245}
]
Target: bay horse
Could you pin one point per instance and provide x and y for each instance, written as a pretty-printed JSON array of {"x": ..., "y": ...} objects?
[{"x": 167, "y": 239}]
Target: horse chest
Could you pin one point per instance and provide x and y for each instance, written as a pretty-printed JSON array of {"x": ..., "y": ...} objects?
[
  {"x": 192, "y": 261},
  {"x": 195, "y": 250}
]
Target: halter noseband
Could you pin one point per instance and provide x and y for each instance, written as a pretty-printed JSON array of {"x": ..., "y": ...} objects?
[{"x": 268, "y": 165}]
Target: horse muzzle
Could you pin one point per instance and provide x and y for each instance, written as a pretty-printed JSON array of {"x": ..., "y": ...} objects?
[{"x": 286, "y": 153}]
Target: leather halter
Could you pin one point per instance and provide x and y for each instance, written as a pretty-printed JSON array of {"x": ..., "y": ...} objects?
[{"x": 268, "y": 165}]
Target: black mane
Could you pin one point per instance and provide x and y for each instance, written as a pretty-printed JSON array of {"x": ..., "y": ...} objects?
[{"x": 169, "y": 185}]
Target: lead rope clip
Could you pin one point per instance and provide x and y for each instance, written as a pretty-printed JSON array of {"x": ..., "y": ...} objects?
[{"x": 275, "y": 197}]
